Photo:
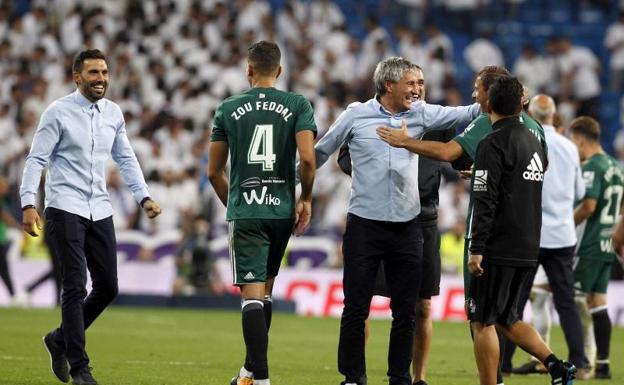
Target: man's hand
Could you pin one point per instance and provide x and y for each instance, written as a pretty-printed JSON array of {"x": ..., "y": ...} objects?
[
  {"x": 303, "y": 213},
  {"x": 466, "y": 174},
  {"x": 474, "y": 265},
  {"x": 396, "y": 137},
  {"x": 30, "y": 220},
  {"x": 151, "y": 208}
]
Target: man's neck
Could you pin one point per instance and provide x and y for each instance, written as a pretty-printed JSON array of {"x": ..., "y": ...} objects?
[
  {"x": 262, "y": 82},
  {"x": 386, "y": 103},
  {"x": 494, "y": 117},
  {"x": 593, "y": 150}
]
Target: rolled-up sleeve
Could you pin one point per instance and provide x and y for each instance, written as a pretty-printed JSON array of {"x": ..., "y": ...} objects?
[{"x": 45, "y": 140}]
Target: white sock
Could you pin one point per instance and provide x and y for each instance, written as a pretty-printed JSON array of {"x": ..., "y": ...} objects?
[
  {"x": 244, "y": 372},
  {"x": 588, "y": 329},
  {"x": 540, "y": 306}
]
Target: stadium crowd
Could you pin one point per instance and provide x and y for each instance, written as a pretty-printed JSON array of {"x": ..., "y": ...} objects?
[{"x": 173, "y": 61}]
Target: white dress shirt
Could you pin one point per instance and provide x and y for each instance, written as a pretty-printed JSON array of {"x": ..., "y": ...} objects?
[{"x": 563, "y": 185}]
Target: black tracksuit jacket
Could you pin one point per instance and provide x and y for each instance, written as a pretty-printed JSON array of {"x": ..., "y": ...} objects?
[{"x": 507, "y": 189}]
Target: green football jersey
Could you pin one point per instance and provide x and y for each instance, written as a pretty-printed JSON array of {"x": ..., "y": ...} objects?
[
  {"x": 259, "y": 126},
  {"x": 477, "y": 130},
  {"x": 603, "y": 182}
]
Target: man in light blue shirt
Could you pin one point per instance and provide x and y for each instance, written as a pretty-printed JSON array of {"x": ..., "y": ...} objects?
[
  {"x": 384, "y": 204},
  {"x": 76, "y": 136},
  {"x": 563, "y": 186}
]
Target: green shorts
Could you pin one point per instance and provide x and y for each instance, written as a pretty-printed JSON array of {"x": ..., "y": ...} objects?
[
  {"x": 592, "y": 276},
  {"x": 257, "y": 247}
]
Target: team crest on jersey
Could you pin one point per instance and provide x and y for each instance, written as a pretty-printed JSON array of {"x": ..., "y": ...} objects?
[{"x": 480, "y": 180}]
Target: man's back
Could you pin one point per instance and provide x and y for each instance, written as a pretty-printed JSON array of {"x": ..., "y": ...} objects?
[
  {"x": 603, "y": 180},
  {"x": 513, "y": 162},
  {"x": 260, "y": 126},
  {"x": 563, "y": 185}
]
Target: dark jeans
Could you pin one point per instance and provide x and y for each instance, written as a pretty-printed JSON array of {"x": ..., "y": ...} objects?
[
  {"x": 559, "y": 270},
  {"x": 366, "y": 244},
  {"x": 82, "y": 244}
]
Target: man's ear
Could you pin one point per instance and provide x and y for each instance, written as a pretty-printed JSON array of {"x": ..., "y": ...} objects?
[
  {"x": 488, "y": 109},
  {"x": 250, "y": 70},
  {"x": 388, "y": 84},
  {"x": 76, "y": 77},
  {"x": 279, "y": 72}
]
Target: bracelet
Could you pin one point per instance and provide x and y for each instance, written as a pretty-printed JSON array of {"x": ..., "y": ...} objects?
[
  {"x": 28, "y": 207},
  {"x": 144, "y": 200}
]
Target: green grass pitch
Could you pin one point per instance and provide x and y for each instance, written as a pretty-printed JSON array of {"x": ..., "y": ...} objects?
[{"x": 182, "y": 347}]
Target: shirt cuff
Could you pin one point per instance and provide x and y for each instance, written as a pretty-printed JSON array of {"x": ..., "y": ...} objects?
[{"x": 28, "y": 199}]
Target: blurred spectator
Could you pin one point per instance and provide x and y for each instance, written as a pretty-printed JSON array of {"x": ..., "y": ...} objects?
[
  {"x": 531, "y": 70},
  {"x": 452, "y": 249},
  {"x": 453, "y": 204},
  {"x": 614, "y": 42},
  {"x": 125, "y": 208},
  {"x": 436, "y": 39},
  {"x": 6, "y": 221},
  {"x": 579, "y": 67},
  {"x": 483, "y": 52}
]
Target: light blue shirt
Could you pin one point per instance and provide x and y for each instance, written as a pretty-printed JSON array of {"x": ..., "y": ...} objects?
[
  {"x": 563, "y": 185},
  {"x": 75, "y": 139},
  {"x": 384, "y": 178}
]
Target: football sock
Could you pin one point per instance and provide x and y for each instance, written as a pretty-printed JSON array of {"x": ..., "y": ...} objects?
[
  {"x": 243, "y": 372},
  {"x": 256, "y": 338},
  {"x": 541, "y": 313},
  {"x": 268, "y": 310},
  {"x": 602, "y": 332},
  {"x": 555, "y": 366},
  {"x": 588, "y": 329}
]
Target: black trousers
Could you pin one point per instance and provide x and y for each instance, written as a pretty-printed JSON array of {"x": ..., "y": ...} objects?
[
  {"x": 82, "y": 244},
  {"x": 366, "y": 244},
  {"x": 5, "y": 274},
  {"x": 558, "y": 266}
]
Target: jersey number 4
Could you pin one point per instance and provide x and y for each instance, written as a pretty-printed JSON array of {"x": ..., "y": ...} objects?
[{"x": 261, "y": 148}]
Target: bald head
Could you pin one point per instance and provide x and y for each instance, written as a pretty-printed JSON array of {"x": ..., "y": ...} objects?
[{"x": 542, "y": 108}]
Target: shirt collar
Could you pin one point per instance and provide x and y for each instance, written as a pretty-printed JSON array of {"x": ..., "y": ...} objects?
[
  {"x": 85, "y": 103},
  {"x": 380, "y": 108}
]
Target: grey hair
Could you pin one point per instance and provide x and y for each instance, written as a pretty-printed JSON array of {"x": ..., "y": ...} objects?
[
  {"x": 391, "y": 70},
  {"x": 541, "y": 112}
]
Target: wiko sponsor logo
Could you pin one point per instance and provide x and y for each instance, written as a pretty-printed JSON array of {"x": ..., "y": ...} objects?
[
  {"x": 250, "y": 182},
  {"x": 606, "y": 245},
  {"x": 535, "y": 170},
  {"x": 262, "y": 199}
]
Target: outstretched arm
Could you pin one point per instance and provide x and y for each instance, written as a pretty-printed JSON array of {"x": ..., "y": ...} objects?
[{"x": 399, "y": 137}]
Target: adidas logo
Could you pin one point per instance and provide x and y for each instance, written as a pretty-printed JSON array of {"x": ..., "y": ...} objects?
[
  {"x": 249, "y": 276},
  {"x": 535, "y": 170}
]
